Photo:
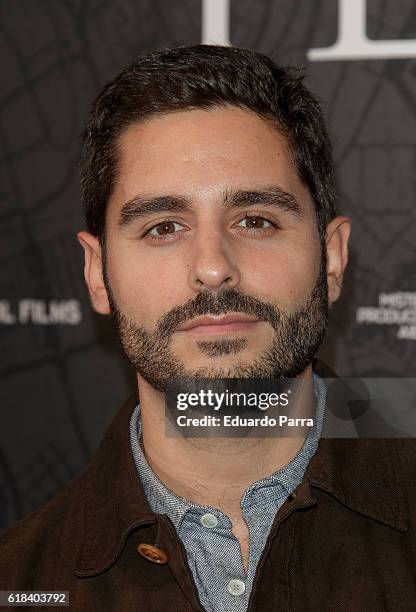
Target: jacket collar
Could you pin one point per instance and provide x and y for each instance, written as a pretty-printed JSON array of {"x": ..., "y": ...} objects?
[
  {"x": 362, "y": 475},
  {"x": 113, "y": 499},
  {"x": 358, "y": 473}
]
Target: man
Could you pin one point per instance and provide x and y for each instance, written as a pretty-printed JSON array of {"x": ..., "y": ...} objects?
[{"x": 213, "y": 240}]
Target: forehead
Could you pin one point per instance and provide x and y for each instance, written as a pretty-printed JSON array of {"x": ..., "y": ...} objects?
[{"x": 199, "y": 152}]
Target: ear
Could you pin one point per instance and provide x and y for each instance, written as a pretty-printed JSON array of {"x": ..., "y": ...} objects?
[
  {"x": 337, "y": 235},
  {"x": 93, "y": 272}
]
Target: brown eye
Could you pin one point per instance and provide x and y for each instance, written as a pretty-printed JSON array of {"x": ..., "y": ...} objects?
[
  {"x": 165, "y": 228},
  {"x": 162, "y": 229},
  {"x": 256, "y": 222}
]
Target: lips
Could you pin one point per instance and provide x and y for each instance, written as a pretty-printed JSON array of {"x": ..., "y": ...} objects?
[{"x": 217, "y": 320}]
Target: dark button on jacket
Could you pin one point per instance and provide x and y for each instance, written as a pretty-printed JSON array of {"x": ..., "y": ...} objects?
[{"x": 346, "y": 541}]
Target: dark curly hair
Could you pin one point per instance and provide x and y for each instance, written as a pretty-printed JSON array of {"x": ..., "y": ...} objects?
[{"x": 205, "y": 76}]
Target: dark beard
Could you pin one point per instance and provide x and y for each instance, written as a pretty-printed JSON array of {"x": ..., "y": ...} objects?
[{"x": 297, "y": 337}]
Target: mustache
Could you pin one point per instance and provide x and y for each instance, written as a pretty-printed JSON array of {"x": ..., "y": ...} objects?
[{"x": 223, "y": 302}]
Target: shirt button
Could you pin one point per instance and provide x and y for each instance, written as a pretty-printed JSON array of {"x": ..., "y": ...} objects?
[
  {"x": 236, "y": 587},
  {"x": 209, "y": 520}
]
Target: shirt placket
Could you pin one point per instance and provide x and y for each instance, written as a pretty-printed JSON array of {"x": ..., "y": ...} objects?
[{"x": 214, "y": 555}]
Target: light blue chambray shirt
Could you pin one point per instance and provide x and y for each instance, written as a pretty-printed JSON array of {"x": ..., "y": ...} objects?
[{"x": 213, "y": 552}]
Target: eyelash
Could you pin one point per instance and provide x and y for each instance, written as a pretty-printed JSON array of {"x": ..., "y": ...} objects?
[{"x": 251, "y": 230}]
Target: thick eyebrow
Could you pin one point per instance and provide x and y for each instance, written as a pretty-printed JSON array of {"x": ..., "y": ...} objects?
[{"x": 274, "y": 197}]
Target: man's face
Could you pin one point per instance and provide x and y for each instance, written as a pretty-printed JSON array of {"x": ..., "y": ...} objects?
[{"x": 179, "y": 246}]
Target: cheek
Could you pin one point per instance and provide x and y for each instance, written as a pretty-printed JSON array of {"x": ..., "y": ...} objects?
[
  {"x": 284, "y": 276},
  {"x": 146, "y": 286}
]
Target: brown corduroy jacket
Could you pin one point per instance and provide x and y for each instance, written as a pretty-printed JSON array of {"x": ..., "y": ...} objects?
[{"x": 345, "y": 541}]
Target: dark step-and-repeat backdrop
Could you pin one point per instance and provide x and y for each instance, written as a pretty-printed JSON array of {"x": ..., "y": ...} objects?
[{"x": 62, "y": 374}]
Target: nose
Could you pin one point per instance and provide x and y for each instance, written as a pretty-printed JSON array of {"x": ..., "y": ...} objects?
[{"x": 213, "y": 266}]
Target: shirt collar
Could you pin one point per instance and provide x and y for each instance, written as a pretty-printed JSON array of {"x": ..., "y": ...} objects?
[
  {"x": 361, "y": 474},
  {"x": 164, "y": 501}
]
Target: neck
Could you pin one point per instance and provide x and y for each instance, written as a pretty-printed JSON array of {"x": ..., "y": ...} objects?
[{"x": 213, "y": 472}]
